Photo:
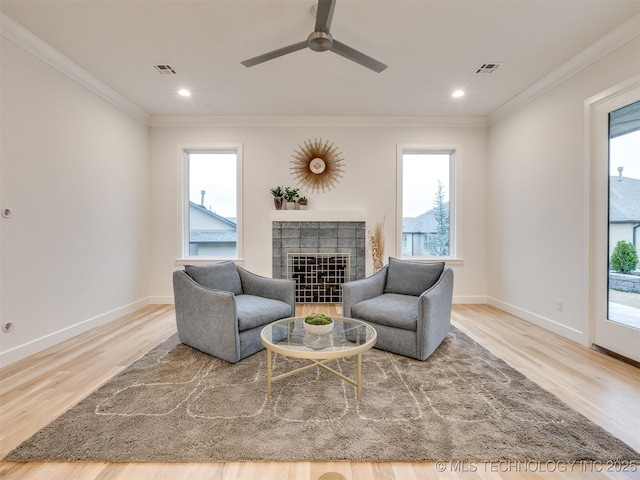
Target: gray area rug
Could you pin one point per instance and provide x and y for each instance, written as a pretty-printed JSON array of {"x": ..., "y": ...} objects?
[{"x": 179, "y": 405}]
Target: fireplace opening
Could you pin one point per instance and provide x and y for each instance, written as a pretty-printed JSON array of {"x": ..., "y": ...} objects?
[{"x": 318, "y": 276}]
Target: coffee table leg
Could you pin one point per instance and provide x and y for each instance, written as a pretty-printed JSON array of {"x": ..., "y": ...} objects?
[
  {"x": 358, "y": 375},
  {"x": 268, "y": 372}
]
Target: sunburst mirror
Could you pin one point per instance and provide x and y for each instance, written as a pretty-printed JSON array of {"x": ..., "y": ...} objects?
[{"x": 317, "y": 165}]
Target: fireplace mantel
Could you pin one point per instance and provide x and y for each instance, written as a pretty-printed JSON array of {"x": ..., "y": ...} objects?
[{"x": 318, "y": 216}]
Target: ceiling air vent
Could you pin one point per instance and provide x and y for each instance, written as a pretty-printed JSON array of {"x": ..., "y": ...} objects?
[
  {"x": 164, "y": 69},
  {"x": 487, "y": 68}
]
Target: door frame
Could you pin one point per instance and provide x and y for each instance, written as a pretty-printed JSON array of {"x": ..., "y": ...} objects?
[{"x": 590, "y": 183}]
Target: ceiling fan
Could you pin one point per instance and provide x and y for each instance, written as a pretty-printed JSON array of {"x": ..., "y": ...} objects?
[{"x": 320, "y": 40}]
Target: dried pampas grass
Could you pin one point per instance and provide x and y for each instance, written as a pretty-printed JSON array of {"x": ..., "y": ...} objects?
[{"x": 377, "y": 245}]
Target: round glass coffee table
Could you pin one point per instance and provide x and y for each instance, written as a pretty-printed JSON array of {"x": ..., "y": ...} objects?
[{"x": 288, "y": 337}]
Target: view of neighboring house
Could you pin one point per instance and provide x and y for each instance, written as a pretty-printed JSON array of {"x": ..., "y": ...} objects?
[
  {"x": 422, "y": 236},
  {"x": 624, "y": 211},
  {"x": 210, "y": 234}
]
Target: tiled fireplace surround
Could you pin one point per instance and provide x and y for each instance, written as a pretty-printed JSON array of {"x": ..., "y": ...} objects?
[{"x": 311, "y": 237}]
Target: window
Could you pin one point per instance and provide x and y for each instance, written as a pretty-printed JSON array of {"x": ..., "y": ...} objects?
[
  {"x": 211, "y": 203},
  {"x": 624, "y": 213},
  {"x": 425, "y": 203}
]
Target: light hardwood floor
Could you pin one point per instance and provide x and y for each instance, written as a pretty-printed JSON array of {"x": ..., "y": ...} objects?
[{"x": 36, "y": 390}]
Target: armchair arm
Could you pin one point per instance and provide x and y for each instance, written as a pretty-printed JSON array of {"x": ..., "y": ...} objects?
[
  {"x": 274, "y": 288},
  {"x": 434, "y": 314},
  {"x": 206, "y": 319},
  {"x": 363, "y": 289}
]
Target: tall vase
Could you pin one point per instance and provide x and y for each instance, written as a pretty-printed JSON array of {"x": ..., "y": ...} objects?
[{"x": 277, "y": 201}]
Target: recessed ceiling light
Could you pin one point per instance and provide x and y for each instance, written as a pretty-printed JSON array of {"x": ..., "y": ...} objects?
[
  {"x": 184, "y": 92},
  {"x": 458, "y": 93}
]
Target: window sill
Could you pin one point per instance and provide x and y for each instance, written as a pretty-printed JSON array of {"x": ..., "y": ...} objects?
[
  {"x": 448, "y": 261},
  {"x": 181, "y": 262}
]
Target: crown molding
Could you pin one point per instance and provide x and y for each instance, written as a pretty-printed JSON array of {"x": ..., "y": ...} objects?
[
  {"x": 16, "y": 33},
  {"x": 22, "y": 37},
  {"x": 607, "y": 44},
  {"x": 311, "y": 121}
]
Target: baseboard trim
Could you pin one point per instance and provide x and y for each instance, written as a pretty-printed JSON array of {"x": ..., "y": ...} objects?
[
  {"x": 39, "y": 344},
  {"x": 470, "y": 299},
  {"x": 543, "y": 322},
  {"x": 164, "y": 300},
  {"x": 460, "y": 299}
]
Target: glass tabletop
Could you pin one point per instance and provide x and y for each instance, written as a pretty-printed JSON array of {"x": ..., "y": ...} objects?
[{"x": 289, "y": 337}]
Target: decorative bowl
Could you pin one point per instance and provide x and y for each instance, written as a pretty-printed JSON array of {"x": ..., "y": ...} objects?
[{"x": 318, "y": 329}]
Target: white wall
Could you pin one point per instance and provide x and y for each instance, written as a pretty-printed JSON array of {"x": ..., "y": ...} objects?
[
  {"x": 74, "y": 171},
  {"x": 537, "y": 200},
  {"x": 368, "y": 184}
]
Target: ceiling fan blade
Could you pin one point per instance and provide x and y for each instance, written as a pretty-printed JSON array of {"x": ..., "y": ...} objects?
[
  {"x": 275, "y": 54},
  {"x": 358, "y": 57},
  {"x": 324, "y": 15}
]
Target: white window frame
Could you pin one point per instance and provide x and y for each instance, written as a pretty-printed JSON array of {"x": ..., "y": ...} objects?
[
  {"x": 183, "y": 202},
  {"x": 426, "y": 149}
]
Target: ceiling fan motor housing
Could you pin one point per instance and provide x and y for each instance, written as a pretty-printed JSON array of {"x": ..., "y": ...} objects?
[{"x": 320, "y": 41}]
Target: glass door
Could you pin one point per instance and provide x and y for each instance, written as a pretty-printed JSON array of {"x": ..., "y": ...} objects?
[{"x": 617, "y": 223}]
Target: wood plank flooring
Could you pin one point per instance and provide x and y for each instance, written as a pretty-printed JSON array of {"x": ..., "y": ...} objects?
[{"x": 38, "y": 389}]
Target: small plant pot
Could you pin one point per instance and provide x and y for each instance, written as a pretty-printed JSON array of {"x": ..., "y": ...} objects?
[
  {"x": 290, "y": 205},
  {"x": 318, "y": 329},
  {"x": 303, "y": 207},
  {"x": 278, "y": 201}
]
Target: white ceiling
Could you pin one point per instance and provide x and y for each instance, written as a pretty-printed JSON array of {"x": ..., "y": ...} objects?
[{"x": 431, "y": 47}]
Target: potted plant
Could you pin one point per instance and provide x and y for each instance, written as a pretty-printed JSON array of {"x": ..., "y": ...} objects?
[
  {"x": 303, "y": 202},
  {"x": 290, "y": 196},
  {"x": 278, "y": 195},
  {"x": 318, "y": 324}
]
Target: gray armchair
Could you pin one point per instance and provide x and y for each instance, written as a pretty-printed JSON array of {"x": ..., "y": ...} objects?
[
  {"x": 222, "y": 308},
  {"x": 408, "y": 303}
]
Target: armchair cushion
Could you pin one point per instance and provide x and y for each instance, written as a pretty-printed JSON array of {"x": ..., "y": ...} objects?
[
  {"x": 257, "y": 311},
  {"x": 411, "y": 278},
  {"x": 390, "y": 309},
  {"x": 218, "y": 276}
]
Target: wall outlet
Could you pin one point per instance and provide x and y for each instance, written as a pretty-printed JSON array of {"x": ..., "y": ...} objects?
[
  {"x": 559, "y": 305},
  {"x": 7, "y": 327}
]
